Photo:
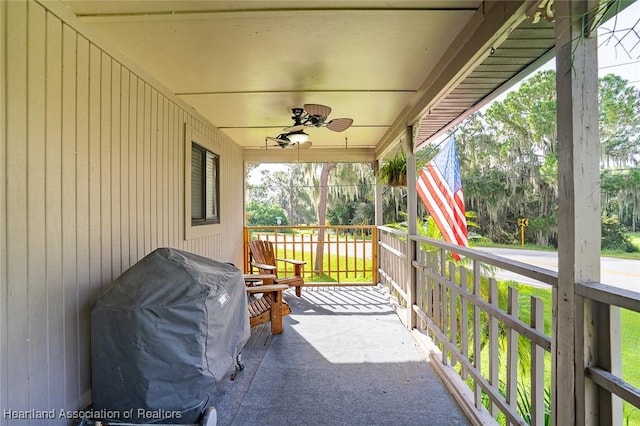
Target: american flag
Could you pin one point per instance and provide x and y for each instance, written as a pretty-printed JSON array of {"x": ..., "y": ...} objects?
[{"x": 440, "y": 189}]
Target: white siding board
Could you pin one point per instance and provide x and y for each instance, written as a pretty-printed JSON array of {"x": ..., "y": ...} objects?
[
  {"x": 36, "y": 215},
  {"x": 180, "y": 226},
  {"x": 160, "y": 172},
  {"x": 16, "y": 180},
  {"x": 93, "y": 159},
  {"x": 152, "y": 154},
  {"x": 168, "y": 168},
  {"x": 83, "y": 232},
  {"x": 132, "y": 159},
  {"x": 114, "y": 178},
  {"x": 3, "y": 212},
  {"x": 69, "y": 213},
  {"x": 125, "y": 227},
  {"x": 104, "y": 188},
  {"x": 140, "y": 169},
  {"x": 95, "y": 230},
  {"x": 146, "y": 160},
  {"x": 166, "y": 163},
  {"x": 53, "y": 209}
]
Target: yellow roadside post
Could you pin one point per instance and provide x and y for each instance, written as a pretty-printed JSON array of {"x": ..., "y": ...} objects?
[{"x": 522, "y": 223}]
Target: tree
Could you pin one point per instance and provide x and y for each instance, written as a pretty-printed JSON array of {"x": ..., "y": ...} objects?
[
  {"x": 265, "y": 214},
  {"x": 509, "y": 164},
  {"x": 287, "y": 189},
  {"x": 307, "y": 191},
  {"x": 619, "y": 122},
  {"x": 322, "y": 213}
]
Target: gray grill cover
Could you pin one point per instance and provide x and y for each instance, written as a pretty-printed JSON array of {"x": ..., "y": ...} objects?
[{"x": 164, "y": 333}]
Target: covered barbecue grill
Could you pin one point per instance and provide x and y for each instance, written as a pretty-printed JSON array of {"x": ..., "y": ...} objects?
[{"x": 164, "y": 333}]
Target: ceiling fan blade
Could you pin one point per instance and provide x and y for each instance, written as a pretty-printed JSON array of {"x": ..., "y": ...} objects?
[
  {"x": 278, "y": 139},
  {"x": 295, "y": 128},
  {"x": 282, "y": 142},
  {"x": 317, "y": 110},
  {"x": 339, "y": 124}
]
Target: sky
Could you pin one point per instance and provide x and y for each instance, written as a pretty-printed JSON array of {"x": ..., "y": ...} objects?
[
  {"x": 618, "y": 51},
  {"x": 614, "y": 59}
]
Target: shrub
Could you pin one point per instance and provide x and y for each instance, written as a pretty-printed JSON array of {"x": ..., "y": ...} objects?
[{"x": 613, "y": 235}]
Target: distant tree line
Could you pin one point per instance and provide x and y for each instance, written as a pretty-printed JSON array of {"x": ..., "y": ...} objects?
[{"x": 509, "y": 163}]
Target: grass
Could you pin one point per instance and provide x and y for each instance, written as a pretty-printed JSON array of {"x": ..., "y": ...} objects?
[
  {"x": 336, "y": 269},
  {"x": 630, "y": 341}
]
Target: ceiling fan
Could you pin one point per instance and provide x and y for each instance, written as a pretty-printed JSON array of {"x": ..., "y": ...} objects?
[{"x": 311, "y": 115}]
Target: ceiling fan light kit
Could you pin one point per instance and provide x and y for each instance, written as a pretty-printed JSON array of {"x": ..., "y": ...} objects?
[
  {"x": 298, "y": 137},
  {"x": 312, "y": 115}
]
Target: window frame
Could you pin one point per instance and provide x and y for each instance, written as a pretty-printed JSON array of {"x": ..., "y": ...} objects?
[
  {"x": 203, "y": 196},
  {"x": 200, "y": 228}
]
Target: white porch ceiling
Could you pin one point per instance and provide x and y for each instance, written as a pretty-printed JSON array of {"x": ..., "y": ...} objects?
[{"x": 244, "y": 64}]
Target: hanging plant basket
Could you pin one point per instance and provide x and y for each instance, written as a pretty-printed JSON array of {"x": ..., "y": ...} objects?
[
  {"x": 398, "y": 181},
  {"x": 393, "y": 172}
]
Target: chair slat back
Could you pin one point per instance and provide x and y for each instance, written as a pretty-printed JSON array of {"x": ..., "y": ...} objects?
[{"x": 262, "y": 252}]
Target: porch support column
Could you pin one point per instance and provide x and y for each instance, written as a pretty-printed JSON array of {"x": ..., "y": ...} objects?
[
  {"x": 378, "y": 221},
  {"x": 379, "y": 208},
  {"x": 412, "y": 216},
  {"x": 576, "y": 326}
]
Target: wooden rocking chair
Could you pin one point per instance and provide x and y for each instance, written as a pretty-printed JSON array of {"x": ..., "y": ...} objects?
[{"x": 263, "y": 257}]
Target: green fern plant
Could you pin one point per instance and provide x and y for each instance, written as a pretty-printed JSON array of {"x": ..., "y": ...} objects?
[{"x": 394, "y": 170}]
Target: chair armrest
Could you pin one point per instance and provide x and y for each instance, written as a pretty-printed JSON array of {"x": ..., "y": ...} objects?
[
  {"x": 267, "y": 288},
  {"x": 263, "y": 266},
  {"x": 292, "y": 261},
  {"x": 258, "y": 277}
]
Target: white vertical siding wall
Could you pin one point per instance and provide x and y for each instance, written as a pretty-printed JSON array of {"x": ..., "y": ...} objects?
[{"x": 92, "y": 179}]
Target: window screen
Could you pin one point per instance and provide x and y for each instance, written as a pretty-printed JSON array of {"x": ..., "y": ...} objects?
[{"x": 204, "y": 186}]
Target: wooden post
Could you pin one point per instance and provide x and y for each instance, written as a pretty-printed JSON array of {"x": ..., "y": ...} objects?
[
  {"x": 375, "y": 238},
  {"x": 575, "y": 400},
  {"x": 412, "y": 216},
  {"x": 378, "y": 198}
]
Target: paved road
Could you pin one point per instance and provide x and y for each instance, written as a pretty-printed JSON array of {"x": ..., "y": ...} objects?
[{"x": 623, "y": 273}]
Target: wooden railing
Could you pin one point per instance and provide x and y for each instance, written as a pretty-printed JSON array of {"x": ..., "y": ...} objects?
[
  {"x": 490, "y": 341},
  {"x": 392, "y": 263},
  {"x": 349, "y": 252}
]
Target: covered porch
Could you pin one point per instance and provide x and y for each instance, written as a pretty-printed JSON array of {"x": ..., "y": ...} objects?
[
  {"x": 344, "y": 358},
  {"x": 103, "y": 102}
]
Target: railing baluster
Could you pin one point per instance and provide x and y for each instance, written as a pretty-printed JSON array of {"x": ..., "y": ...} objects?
[
  {"x": 429, "y": 310},
  {"x": 477, "y": 330},
  {"x": 445, "y": 316},
  {"x": 493, "y": 343},
  {"x": 453, "y": 326},
  {"x": 537, "y": 366},
  {"x": 436, "y": 301},
  {"x": 464, "y": 319},
  {"x": 512, "y": 350}
]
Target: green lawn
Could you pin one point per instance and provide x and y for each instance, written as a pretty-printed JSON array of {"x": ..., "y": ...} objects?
[
  {"x": 630, "y": 342},
  {"x": 352, "y": 269}
]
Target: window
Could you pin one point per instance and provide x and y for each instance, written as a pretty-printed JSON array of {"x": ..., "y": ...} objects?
[
  {"x": 205, "y": 183},
  {"x": 203, "y": 159}
]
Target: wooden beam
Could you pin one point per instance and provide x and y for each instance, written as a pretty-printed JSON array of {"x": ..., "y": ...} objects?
[
  {"x": 320, "y": 155},
  {"x": 577, "y": 325}
]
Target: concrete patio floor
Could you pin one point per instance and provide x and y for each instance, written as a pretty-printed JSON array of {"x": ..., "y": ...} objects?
[{"x": 344, "y": 358}]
